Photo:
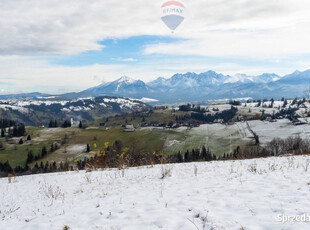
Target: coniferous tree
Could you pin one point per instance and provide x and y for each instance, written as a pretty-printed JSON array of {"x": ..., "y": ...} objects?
[
  {"x": 41, "y": 166},
  {"x": 21, "y": 130},
  {"x": 29, "y": 157},
  {"x": 52, "y": 148},
  {"x": 204, "y": 153},
  {"x": 87, "y": 148},
  {"x": 209, "y": 156},
  {"x": 66, "y": 124},
  {"x": 2, "y": 132},
  {"x": 54, "y": 166},
  {"x": 193, "y": 155},
  {"x": 29, "y": 138},
  {"x": 15, "y": 132},
  {"x": 7, "y": 167},
  {"x": 21, "y": 141},
  {"x": 43, "y": 152},
  {"x": 180, "y": 158},
  {"x": 186, "y": 156},
  {"x": 46, "y": 167},
  {"x": 51, "y": 124},
  {"x": 80, "y": 125}
]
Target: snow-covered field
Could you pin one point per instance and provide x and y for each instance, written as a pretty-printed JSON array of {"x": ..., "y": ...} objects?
[
  {"x": 248, "y": 194},
  {"x": 282, "y": 128},
  {"x": 222, "y": 138}
]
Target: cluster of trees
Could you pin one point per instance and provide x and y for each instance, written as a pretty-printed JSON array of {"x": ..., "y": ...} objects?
[
  {"x": 117, "y": 155},
  {"x": 66, "y": 124},
  {"x": 21, "y": 141},
  {"x": 4, "y": 123},
  {"x": 17, "y": 131},
  {"x": 202, "y": 154},
  {"x": 50, "y": 167},
  {"x": 235, "y": 103},
  {"x": 289, "y": 113},
  {"x": 6, "y": 168},
  {"x": 226, "y": 116},
  {"x": 54, "y": 124},
  {"x": 290, "y": 145},
  {"x": 276, "y": 147},
  {"x": 44, "y": 152},
  {"x": 192, "y": 108},
  {"x": 14, "y": 130}
]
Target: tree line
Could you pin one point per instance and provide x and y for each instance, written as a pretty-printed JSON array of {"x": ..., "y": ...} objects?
[
  {"x": 47, "y": 167},
  {"x": 119, "y": 156},
  {"x": 18, "y": 130},
  {"x": 226, "y": 116},
  {"x": 54, "y": 124}
]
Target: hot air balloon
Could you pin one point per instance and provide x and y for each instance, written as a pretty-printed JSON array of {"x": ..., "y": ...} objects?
[{"x": 172, "y": 14}]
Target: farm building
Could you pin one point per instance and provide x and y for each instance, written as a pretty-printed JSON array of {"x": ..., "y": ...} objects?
[{"x": 129, "y": 128}]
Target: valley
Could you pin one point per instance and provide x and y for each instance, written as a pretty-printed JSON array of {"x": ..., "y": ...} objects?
[{"x": 161, "y": 130}]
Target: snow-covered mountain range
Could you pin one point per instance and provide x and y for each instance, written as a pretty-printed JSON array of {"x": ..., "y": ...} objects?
[{"x": 193, "y": 87}]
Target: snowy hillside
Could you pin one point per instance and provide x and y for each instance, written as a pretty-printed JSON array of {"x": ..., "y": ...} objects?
[
  {"x": 29, "y": 110},
  {"x": 250, "y": 194}
]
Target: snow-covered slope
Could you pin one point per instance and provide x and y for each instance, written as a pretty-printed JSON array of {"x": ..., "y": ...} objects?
[
  {"x": 26, "y": 110},
  {"x": 230, "y": 195},
  {"x": 122, "y": 86}
]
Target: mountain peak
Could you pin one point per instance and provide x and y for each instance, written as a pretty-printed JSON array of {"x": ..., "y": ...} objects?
[{"x": 125, "y": 79}]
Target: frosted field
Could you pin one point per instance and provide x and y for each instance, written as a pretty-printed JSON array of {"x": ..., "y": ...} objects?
[
  {"x": 282, "y": 128},
  {"x": 219, "y": 138},
  {"x": 222, "y": 138},
  {"x": 230, "y": 195}
]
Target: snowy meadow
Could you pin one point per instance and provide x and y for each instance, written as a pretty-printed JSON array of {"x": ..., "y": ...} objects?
[{"x": 245, "y": 194}]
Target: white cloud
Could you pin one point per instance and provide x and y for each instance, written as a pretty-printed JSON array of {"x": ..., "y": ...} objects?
[
  {"x": 70, "y": 27},
  {"x": 24, "y": 74},
  {"x": 128, "y": 60},
  {"x": 217, "y": 27},
  {"x": 262, "y": 29},
  {"x": 125, "y": 59}
]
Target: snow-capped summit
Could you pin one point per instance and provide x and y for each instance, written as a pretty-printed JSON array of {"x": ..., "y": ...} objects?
[
  {"x": 123, "y": 86},
  {"x": 125, "y": 79},
  {"x": 189, "y": 80},
  {"x": 266, "y": 77},
  {"x": 239, "y": 77},
  {"x": 191, "y": 87}
]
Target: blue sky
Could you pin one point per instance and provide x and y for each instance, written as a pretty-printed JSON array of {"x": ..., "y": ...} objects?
[
  {"x": 117, "y": 50},
  {"x": 69, "y": 46}
]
